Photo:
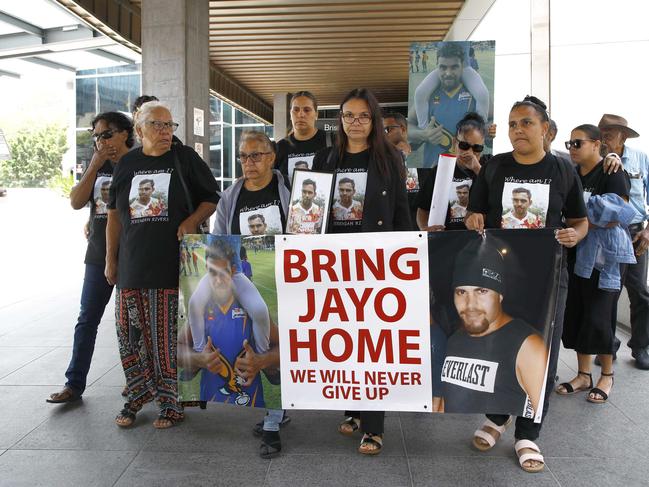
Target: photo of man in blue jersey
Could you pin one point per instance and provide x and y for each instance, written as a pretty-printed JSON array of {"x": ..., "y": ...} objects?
[{"x": 228, "y": 336}]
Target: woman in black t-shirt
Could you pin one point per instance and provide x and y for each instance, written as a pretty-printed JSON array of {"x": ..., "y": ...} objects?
[
  {"x": 370, "y": 196},
  {"x": 468, "y": 145},
  {"x": 529, "y": 188},
  {"x": 304, "y": 140},
  {"x": 159, "y": 193},
  {"x": 589, "y": 324},
  {"x": 112, "y": 134}
]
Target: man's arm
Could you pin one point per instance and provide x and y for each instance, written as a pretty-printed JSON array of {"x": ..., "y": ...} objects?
[
  {"x": 113, "y": 232},
  {"x": 192, "y": 222},
  {"x": 530, "y": 368},
  {"x": 249, "y": 365},
  {"x": 432, "y": 133},
  {"x": 188, "y": 358}
]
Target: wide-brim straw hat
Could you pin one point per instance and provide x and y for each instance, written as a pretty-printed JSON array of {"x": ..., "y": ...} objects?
[{"x": 616, "y": 122}]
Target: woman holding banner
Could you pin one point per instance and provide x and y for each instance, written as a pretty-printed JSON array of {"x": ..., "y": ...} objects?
[
  {"x": 589, "y": 325},
  {"x": 528, "y": 188},
  {"x": 364, "y": 159}
]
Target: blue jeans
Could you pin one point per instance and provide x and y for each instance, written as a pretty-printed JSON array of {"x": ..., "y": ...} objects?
[
  {"x": 94, "y": 298},
  {"x": 272, "y": 419}
]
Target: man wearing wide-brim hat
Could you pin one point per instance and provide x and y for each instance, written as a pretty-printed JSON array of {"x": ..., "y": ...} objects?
[{"x": 615, "y": 131}]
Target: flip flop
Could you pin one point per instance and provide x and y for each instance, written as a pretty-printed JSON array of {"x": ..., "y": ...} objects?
[{"x": 66, "y": 395}]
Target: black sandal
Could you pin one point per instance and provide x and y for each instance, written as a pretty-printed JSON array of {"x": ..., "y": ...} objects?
[
  {"x": 571, "y": 390},
  {"x": 371, "y": 439},
  {"x": 596, "y": 390},
  {"x": 353, "y": 423},
  {"x": 126, "y": 413},
  {"x": 271, "y": 444}
]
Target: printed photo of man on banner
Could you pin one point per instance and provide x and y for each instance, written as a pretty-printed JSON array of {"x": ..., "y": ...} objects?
[
  {"x": 227, "y": 323},
  {"x": 354, "y": 321},
  {"x": 446, "y": 81},
  {"x": 492, "y": 302}
]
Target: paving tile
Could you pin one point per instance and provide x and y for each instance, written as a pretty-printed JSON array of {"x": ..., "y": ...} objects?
[
  {"x": 441, "y": 471},
  {"x": 113, "y": 378},
  {"x": 12, "y": 358},
  {"x": 50, "y": 368},
  {"x": 31, "y": 468},
  {"x": 338, "y": 470},
  {"x": 426, "y": 434},
  {"x": 89, "y": 425},
  {"x": 188, "y": 469},
  {"x": 595, "y": 472},
  {"x": 23, "y": 408}
]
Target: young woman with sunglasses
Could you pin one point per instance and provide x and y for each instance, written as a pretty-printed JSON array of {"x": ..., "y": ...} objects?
[
  {"x": 589, "y": 323},
  {"x": 528, "y": 167},
  {"x": 364, "y": 155},
  {"x": 112, "y": 135},
  {"x": 468, "y": 145}
]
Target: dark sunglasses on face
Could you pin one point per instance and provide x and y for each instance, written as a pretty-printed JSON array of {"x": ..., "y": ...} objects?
[
  {"x": 106, "y": 134},
  {"x": 466, "y": 146},
  {"x": 576, "y": 143}
]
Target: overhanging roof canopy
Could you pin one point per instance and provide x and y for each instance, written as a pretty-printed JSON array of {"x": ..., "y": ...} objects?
[{"x": 276, "y": 46}]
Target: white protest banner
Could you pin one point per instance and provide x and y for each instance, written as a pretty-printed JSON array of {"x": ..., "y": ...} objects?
[
  {"x": 354, "y": 323},
  {"x": 439, "y": 203}
]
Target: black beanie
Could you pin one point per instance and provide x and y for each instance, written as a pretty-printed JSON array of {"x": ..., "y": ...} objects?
[{"x": 480, "y": 264}]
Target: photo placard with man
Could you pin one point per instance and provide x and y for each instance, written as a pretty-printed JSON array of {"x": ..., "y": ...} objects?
[{"x": 310, "y": 198}]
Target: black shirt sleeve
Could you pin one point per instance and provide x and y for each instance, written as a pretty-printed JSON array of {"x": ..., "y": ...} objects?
[
  {"x": 479, "y": 195},
  {"x": 617, "y": 183},
  {"x": 201, "y": 181},
  {"x": 425, "y": 195},
  {"x": 281, "y": 159},
  {"x": 114, "y": 185},
  {"x": 320, "y": 160},
  {"x": 574, "y": 206}
]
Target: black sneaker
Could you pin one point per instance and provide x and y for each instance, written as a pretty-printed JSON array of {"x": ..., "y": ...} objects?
[
  {"x": 258, "y": 429},
  {"x": 271, "y": 445},
  {"x": 641, "y": 356}
]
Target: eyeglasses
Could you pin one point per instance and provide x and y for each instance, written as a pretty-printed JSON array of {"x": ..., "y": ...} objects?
[
  {"x": 106, "y": 134},
  {"x": 390, "y": 128},
  {"x": 466, "y": 146},
  {"x": 255, "y": 157},
  {"x": 576, "y": 143},
  {"x": 363, "y": 118},
  {"x": 159, "y": 126}
]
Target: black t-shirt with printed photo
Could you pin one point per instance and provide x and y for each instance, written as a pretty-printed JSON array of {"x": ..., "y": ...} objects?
[
  {"x": 265, "y": 202},
  {"x": 597, "y": 182},
  {"x": 99, "y": 199},
  {"x": 152, "y": 204},
  {"x": 456, "y": 213},
  {"x": 349, "y": 219},
  {"x": 550, "y": 186},
  {"x": 290, "y": 150}
]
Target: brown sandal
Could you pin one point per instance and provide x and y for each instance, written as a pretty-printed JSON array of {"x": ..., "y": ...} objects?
[
  {"x": 371, "y": 444},
  {"x": 66, "y": 395}
]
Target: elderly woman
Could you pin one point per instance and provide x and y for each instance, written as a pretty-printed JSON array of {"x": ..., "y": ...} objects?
[
  {"x": 256, "y": 204},
  {"x": 363, "y": 157},
  {"x": 153, "y": 191},
  {"x": 112, "y": 134}
]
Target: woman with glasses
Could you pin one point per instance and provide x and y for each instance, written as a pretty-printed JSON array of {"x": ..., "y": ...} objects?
[
  {"x": 304, "y": 139},
  {"x": 256, "y": 204},
  {"x": 589, "y": 323},
  {"x": 112, "y": 135},
  {"x": 503, "y": 195},
  {"x": 468, "y": 146},
  {"x": 364, "y": 160},
  {"x": 158, "y": 195}
]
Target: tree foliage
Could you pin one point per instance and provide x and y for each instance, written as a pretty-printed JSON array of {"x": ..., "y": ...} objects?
[{"x": 36, "y": 157}]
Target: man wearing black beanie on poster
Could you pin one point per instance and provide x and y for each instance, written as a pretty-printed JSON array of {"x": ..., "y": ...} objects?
[{"x": 493, "y": 362}]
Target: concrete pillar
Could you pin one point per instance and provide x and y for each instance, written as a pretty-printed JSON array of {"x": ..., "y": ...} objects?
[
  {"x": 540, "y": 47},
  {"x": 281, "y": 115},
  {"x": 175, "y": 65}
]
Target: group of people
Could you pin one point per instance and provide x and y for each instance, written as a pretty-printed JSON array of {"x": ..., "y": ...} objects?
[{"x": 529, "y": 187}]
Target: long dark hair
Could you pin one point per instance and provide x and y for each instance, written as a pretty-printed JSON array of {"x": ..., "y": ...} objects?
[
  {"x": 120, "y": 122},
  {"x": 382, "y": 152}
]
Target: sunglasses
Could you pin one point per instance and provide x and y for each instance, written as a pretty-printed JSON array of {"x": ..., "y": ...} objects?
[
  {"x": 466, "y": 146},
  {"x": 106, "y": 134},
  {"x": 576, "y": 143}
]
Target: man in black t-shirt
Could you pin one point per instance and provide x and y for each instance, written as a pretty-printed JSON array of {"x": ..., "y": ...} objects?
[{"x": 493, "y": 362}]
